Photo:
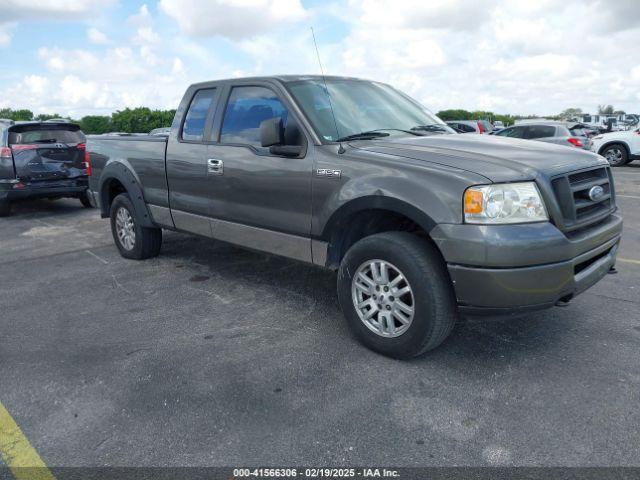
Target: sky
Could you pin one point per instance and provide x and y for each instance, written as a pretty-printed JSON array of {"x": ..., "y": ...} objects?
[{"x": 86, "y": 57}]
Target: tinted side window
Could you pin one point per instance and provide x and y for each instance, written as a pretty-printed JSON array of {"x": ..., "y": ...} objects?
[
  {"x": 466, "y": 128},
  {"x": 196, "y": 117},
  {"x": 513, "y": 132},
  {"x": 246, "y": 109},
  {"x": 540, "y": 131}
]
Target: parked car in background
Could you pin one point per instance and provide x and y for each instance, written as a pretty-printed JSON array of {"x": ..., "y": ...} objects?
[
  {"x": 471, "y": 126},
  {"x": 42, "y": 159},
  {"x": 550, "y": 132},
  {"x": 619, "y": 148},
  {"x": 497, "y": 126},
  {"x": 160, "y": 131},
  {"x": 419, "y": 222}
]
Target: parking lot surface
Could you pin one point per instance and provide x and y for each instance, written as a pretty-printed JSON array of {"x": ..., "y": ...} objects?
[{"x": 210, "y": 355}]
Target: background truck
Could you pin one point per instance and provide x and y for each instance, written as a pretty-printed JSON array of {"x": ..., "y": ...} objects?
[
  {"x": 42, "y": 159},
  {"x": 421, "y": 223}
]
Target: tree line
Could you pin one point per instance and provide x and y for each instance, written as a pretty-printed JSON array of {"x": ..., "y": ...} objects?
[
  {"x": 129, "y": 120},
  {"x": 143, "y": 119}
]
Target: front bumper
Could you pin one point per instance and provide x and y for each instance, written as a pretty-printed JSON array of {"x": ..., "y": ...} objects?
[{"x": 526, "y": 267}]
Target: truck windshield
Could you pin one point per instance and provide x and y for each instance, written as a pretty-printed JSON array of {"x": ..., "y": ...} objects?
[{"x": 361, "y": 107}]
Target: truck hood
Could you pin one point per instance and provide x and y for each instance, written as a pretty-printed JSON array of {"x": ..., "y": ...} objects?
[{"x": 496, "y": 158}]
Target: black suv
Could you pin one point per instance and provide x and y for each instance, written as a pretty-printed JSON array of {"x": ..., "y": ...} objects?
[{"x": 42, "y": 159}]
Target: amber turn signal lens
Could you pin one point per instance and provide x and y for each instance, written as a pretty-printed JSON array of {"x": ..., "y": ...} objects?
[{"x": 472, "y": 201}]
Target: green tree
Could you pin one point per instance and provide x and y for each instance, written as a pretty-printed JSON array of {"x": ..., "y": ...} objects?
[
  {"x": 455, "y": 114},
  {"x": 605, "y": 109},
  {"x": 570, "y": 113},
  {"x": 141, "y": 119},
  {"x": 48, "y": 116},
  {"x": 96, "y": 124},
  {"x": 17, "y": 115}
]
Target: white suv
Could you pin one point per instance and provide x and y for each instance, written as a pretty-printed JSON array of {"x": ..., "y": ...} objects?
[{"x": 618, "y": 147}]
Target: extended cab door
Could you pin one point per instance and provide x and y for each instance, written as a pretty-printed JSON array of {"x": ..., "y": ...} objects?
[
  {"x": 258, "y": 199},
  {"x": 187, "y": 176}
]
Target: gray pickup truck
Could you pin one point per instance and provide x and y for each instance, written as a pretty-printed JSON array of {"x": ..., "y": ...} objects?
[{"x": 422, "y": 224}]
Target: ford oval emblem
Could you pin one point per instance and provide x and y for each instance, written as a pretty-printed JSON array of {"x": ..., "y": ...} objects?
[{"x": 596, "y": 193}]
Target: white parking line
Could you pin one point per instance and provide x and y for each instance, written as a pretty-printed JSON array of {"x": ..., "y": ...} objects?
[{"x": 97, "y": 257}]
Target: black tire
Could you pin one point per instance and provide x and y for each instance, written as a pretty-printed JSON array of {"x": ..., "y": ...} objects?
[
  {"x": 147, "y": 241},
  {"x": 84, "y": 199},
  {"x": 435, "y": 309},
  {"x": 616, "y": 154},
  {"x": 5, "y": 208}
]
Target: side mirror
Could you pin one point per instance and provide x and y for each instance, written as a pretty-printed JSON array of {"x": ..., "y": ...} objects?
[
  {"x": 272, "y": 135},
  {"x": 271, "y": 132}
]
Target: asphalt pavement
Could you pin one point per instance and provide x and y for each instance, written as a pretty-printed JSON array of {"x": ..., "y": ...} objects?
[{"x": 210, "y": 355}]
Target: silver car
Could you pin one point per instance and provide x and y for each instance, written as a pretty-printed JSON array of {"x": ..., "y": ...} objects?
[{"x": 550, "y": 132}]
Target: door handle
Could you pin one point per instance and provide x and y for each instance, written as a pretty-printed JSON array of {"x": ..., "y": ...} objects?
[{"x": 215, "y": 166}]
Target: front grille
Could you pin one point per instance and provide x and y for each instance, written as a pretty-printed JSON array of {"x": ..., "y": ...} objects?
[{"x": 572, "y": 193}]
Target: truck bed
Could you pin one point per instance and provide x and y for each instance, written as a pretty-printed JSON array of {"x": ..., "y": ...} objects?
[{"x": 145, "y": 154}]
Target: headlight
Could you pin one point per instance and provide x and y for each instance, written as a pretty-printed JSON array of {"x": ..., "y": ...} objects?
[{"x": 504, "y": 203}]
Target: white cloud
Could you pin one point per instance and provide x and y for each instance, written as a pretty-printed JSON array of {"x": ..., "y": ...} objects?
[
  {"x": 5, "y": 38},
  {"x": 512, "y": 57},
  {"x": 97, "y": 37},
  {"x": 235, "y": 19},
  {"x": 146, "y": 35},
  {"x": 49, "y": 9},
  {"x": 35, "y": 84}
]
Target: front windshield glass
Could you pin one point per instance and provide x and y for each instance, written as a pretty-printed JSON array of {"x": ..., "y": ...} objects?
[{"x": 362, "y": 106}]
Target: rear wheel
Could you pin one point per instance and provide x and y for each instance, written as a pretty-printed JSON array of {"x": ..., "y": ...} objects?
[
  {"x": 5, "y": 208},
  {"x": 616, "y": 155},
  {"x": 396, "y": 294},
  {"x": 85, "y": 200},
  {"x": 133, "y": 240}
]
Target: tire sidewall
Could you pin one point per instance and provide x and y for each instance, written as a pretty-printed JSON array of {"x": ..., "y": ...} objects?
[
  {"x": 5, "y": 208},
  {"x": 624, "y": 155},
  {"x": 121, "y": 201},
  {"x": 422, "y": 284}
]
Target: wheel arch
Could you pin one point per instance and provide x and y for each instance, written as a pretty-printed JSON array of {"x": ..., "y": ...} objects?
[
  {"x": 368, "y": 215},
  {"x": 118, "y": 178},
  {"x": 615, "y": 142}
]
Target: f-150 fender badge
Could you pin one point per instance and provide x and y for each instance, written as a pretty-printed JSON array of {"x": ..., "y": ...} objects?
[{"x": 328, "y": 173}]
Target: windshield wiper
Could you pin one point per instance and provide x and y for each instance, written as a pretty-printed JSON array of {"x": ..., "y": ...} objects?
[
  {"x": 432, "y": 127},
  {"x": 379, "y": 132},
  {"x": 363, "y": 136}
]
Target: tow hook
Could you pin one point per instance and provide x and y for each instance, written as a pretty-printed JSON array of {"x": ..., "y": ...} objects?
[{"x": 564, "y": 301}]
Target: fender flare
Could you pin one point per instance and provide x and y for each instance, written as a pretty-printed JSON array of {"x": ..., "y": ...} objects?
[
  {"x": 123, "y": 174},
  {"x": 376, "y": 202}
]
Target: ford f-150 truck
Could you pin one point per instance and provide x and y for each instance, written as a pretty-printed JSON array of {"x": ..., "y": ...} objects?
[{"x": 421, "y": 223}]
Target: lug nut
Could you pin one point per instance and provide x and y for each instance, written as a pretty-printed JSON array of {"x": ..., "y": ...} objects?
[
  {"x": 386, "y": 289},
  {"x": 388, "y": 307}
]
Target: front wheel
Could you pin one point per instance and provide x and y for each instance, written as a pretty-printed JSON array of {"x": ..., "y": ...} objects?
[
  {"x": 396, "y": 294},
  {"x": 133, "y": 240},
  {"x": 616, "y": 155}
]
